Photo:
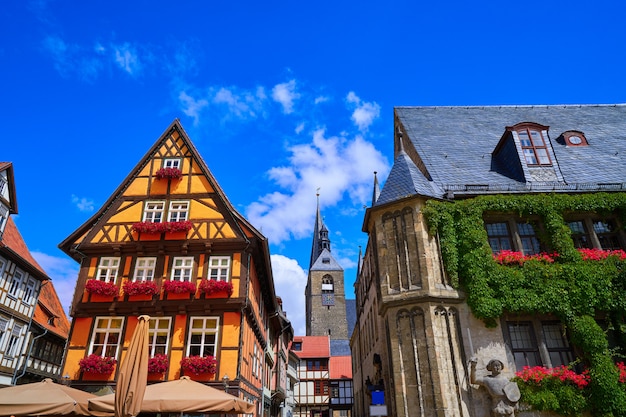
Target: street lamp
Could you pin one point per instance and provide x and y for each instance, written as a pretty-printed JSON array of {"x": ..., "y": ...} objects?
[{"x": 225, "y": 380}]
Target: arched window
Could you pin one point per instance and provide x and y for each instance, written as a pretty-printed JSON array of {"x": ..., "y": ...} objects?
[{"x": 534, "y": 142}]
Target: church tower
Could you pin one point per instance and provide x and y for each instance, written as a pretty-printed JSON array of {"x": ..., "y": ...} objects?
[{"x": 325, "y": 292}]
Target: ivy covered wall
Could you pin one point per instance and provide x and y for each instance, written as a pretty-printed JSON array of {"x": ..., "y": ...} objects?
[{"x": 576, "y": 291}]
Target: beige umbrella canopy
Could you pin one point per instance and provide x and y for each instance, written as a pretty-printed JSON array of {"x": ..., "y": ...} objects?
[
  {"x": 45, "y": 398},
  {"x": 133, "y": 373},
  {"x": 182, "y": 395}
]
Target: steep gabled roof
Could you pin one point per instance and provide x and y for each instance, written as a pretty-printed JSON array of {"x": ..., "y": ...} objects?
[
  {"x": 13, "y": 244},
  {"x": 245, "y": 227},
  {"x": 49, "y": 312},
  {"x": 455, "y": 147}
]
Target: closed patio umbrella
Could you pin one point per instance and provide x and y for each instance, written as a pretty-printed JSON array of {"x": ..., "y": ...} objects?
[
  {"x": 182, "y": 395},
  {"x": 133, "y": 373},
  {"x": 45, "y": 398}
]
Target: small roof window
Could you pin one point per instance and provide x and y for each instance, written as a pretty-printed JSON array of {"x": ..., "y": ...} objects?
[{"x": 574, "y": 138}]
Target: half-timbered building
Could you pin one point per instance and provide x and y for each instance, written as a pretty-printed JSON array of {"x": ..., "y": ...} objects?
[
  {"x": 21, "y": 280},
  {"x": 169, "y": 244}
]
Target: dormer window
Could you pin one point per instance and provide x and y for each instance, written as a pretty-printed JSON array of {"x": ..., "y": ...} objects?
[
  {"x": 575, "y": 138},
  {"x": 534, "y": 144}
]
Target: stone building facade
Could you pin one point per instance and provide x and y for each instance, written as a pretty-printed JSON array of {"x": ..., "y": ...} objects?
[{"x": 434, "y": 289}]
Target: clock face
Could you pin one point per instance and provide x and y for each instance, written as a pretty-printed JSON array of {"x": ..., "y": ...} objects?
[{"x": 575, "y": 140}]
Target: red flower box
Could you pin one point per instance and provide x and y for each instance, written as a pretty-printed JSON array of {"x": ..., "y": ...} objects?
[
  {"x": 170, "y": 173},
  {"x": 199, "y": 365},
  {"x": 165, "y": 227},
  {"x": 140, "y": 288},
  {"x": 212, "y": 286},
  {"x": 95, "y": 286},
  {"x": 179, "y": 287},
  {"x": 158, "y": 364},
  {"x": 97, "y": 364}
]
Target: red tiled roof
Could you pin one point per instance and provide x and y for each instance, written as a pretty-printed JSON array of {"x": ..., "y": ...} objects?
[
  {"x": 313, "y": 346},
  {"x": 49, "y": 306},
  {"x": 13, "y": 240},
  {"x": 340, "y": 367}
]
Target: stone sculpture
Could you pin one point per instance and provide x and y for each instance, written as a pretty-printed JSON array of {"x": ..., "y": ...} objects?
[{"x": 504, "y": 393}]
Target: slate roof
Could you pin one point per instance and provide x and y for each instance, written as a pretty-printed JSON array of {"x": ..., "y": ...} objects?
[
  {"x": 450, "y": 150},
  {"x": 340, "y": 347},
  {"x": 331, "y": 265}
]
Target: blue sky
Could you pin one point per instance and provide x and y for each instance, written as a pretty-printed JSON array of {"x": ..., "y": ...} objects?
[{"x": 280, "y": 98}]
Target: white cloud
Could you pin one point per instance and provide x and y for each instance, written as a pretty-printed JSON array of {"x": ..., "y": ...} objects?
[
  {"x": 299, "y": 128},
  {"x": 290, "y": 282},
  {"x": 241, "y": 104},
  {"x": 63, "y": 272},
  {"x": 286, "y": 94},
  {"x": 127, "y": 58},
  {"x": 191, "y": 106},
  {"x": 364, "y": 113},
  {"x": 321, "y": 99},
  {"x": 340, "y": 166},
  {"x": 83, "y": 204}
]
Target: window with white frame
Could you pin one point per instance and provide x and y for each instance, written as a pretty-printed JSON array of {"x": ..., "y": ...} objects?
[
  {"x": 144, "y": 269},
  {"x": 203, "y": 336},
  {"x": 171, "y": 163},
  {"x": 182, "y": 268},
  {"x": 16, "y": 282},
  {"x": 107, "y": 335},
  {"x": 178, "y": 211},
  {"x": 4, "y": 325},
  {"x": 153, "y": 211},
  {"x": 219, "y": 268},
  {"x": 107, "y": 269},
  {"x": 29, "y": 291},
  {"x": 12, "y": 349},
  {"x": 159, "y": 335},
  {"x": 2, "y": 266}
]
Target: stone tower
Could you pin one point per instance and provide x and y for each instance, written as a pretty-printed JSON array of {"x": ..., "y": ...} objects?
[{"x": 325, "y": 292}]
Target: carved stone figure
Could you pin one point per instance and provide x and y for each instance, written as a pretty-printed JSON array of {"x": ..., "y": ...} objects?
[{"x": 504, "y": 393}]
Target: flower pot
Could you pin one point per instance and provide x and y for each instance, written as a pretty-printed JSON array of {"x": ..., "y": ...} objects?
[
  {"x": 140, "y": 297},
  {"x": 179, "y": 296},
  {"x": 201, "y": 377},
  {"x": 97, "y": 298},
  {"x": 217, "y": 294},
  {"x": 93, "y": 376},
  {"x": 156, "y": 376}
]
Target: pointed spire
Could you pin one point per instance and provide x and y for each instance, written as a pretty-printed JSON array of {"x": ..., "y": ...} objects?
[
  {"x": 359, "y": 264},
  {"x": 376, "y": 191},
  {"x": 319, "y": 224}
]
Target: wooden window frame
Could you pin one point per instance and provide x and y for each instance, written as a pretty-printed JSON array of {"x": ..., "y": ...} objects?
[
  {"x": 219, "y": 268},
  {"x": 594, "y": 237},
  {"x": 108, "y": 327},
  {"x": 157, "y": 328},
  {"x": 183, "y": 268},
  {"x": 202, "y": 348},
  {"x": 154, "y": 211},
  {"x": 531, "y": 149},
  {"x": 107, "y": 270},
  {"x": 178, "y": 211},
  {"x": 515, "y": 235},
  {"x": 143, "y": 270},
  {"x": 172, "y": 163}
]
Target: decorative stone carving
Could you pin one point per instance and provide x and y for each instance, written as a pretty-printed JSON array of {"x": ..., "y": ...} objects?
[{"x": 504, "y": 393}]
